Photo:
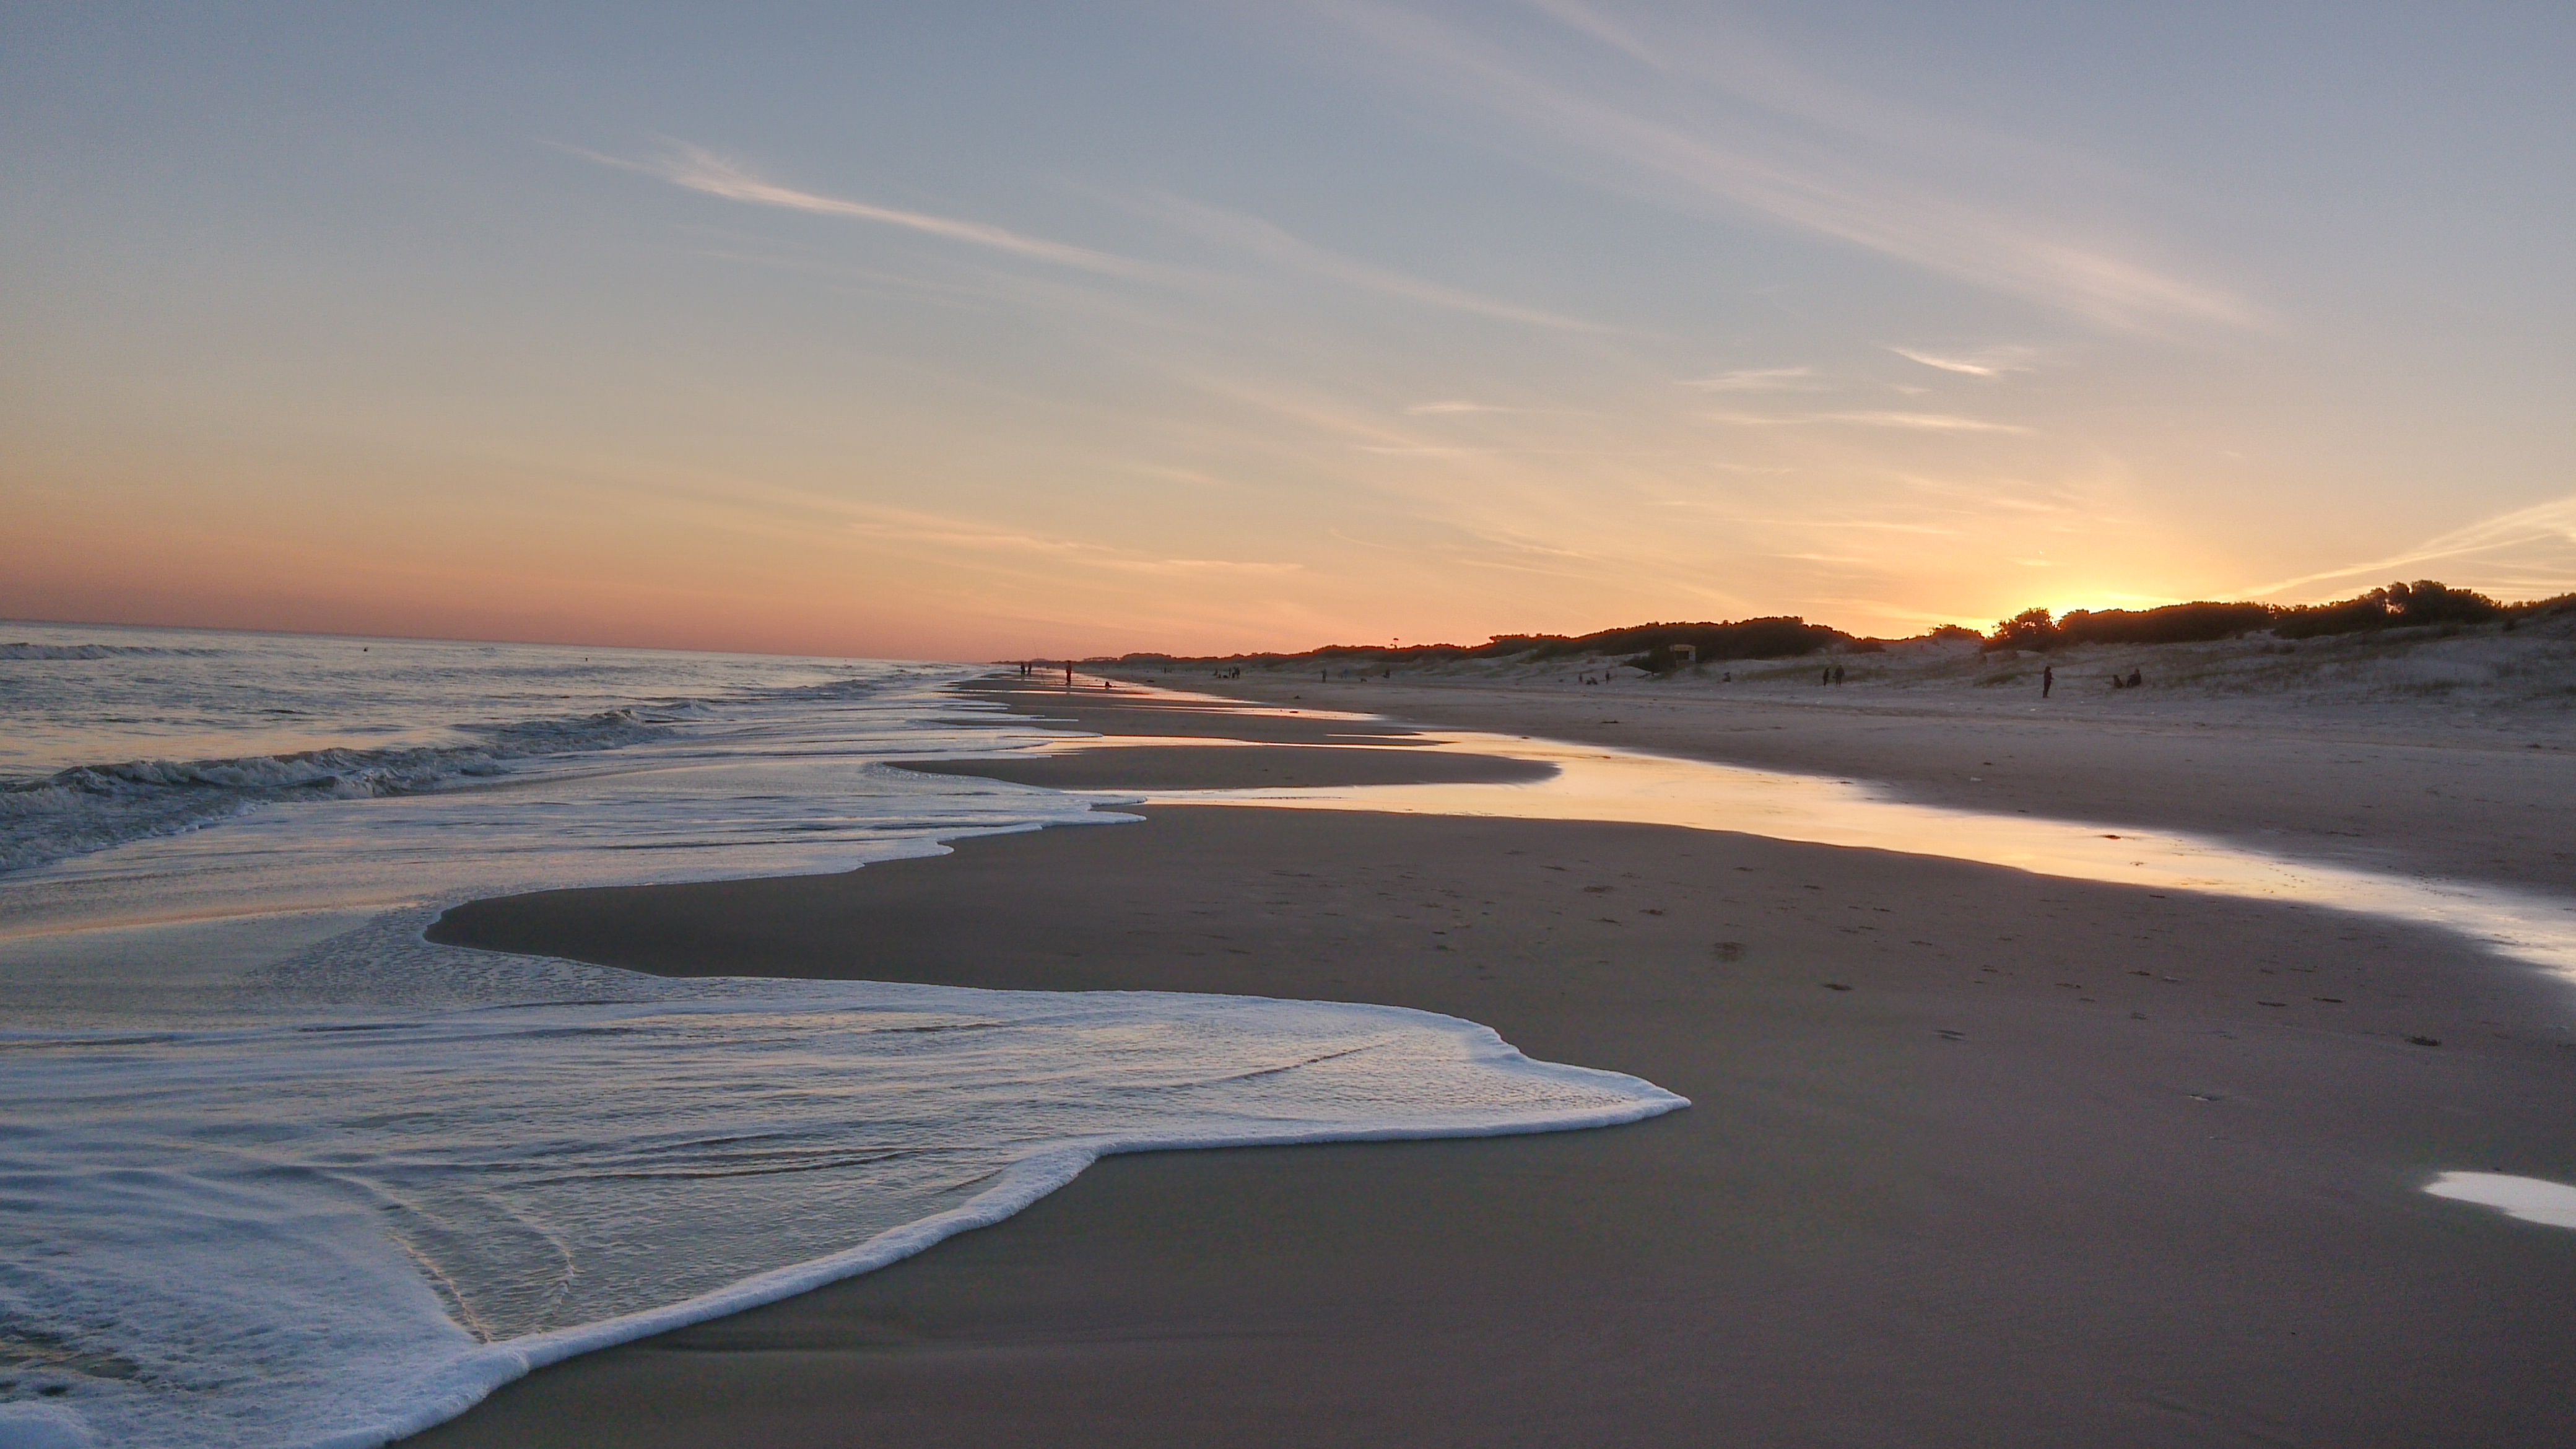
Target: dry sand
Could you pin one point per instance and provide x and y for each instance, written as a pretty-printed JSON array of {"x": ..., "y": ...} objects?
[{"x": 1977, "y": 1158}]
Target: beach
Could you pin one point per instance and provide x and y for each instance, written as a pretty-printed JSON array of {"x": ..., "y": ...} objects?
[
  {"x": 1976, "y": 1157},
  {"x": 1376, "y": 723}
]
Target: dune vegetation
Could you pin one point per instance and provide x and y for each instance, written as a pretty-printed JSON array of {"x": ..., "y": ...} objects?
[{"x": 1661, "y": 648}]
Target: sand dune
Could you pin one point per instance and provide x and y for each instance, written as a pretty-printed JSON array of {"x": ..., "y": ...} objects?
[{"x": 2479, "y": 677}]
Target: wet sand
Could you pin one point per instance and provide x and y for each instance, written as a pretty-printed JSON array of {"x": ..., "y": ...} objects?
[
  {"x": 1268, "y": 767},
  {"x": 1977, "y": 1157},
  {"x": 1127, "y": 712},
  {"x": 2496, "y": 803}
]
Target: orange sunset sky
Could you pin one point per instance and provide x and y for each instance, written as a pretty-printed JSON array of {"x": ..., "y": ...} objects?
[{"x": 981, "y": 332}]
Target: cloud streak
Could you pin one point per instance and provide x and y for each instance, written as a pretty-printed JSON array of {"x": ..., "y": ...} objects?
[
  {"x": 1757, "y": 379},
  {"x": 906, "y": 526},
  {"x": 1917, "y": 422},
  {"x": 1993, "y": 362},
  {"x": 2549, "y": 524},
  {"x": 1689, "y": 122},
  {"x": 694, "y": 168},
  {"x": 1274, "y": 244}
]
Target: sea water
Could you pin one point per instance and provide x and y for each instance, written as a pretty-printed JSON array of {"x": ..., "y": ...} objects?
[{"x": 275, "y": 1170}]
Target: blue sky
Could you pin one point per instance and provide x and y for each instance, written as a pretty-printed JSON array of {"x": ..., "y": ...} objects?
[{"x": 983, "y": 331}]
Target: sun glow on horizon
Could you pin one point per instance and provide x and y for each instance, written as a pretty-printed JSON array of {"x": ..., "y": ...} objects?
[{"x": 1419, "y": 320}]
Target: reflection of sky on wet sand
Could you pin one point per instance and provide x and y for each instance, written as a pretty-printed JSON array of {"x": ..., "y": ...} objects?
[{"x": 1599, "y": 783}]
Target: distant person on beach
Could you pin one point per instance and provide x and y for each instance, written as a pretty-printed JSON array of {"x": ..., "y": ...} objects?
[
  {"x": 2047, "y": 680},
  {"x": 1838, "y": 674},
  {"x": 2136, "y": 678}
]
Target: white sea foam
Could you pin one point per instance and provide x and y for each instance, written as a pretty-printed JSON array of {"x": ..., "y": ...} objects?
[
  {"x": 95, "y": 807},
  {"x": 275, "y": 1171},
  {"x": 381, "y": 1215},
  {"x": 2530, "y": 1199},
  {"x": 22, "y": 649}
]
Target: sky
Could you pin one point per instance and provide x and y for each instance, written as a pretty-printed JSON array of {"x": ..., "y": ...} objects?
[{"x": 991, "y": 331}]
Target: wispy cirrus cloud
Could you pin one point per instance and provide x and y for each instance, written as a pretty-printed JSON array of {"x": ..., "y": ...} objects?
[
  {"x": 698, "y": 169},
  {"x": 1918, "y": 422},
  {"x": 1922, "y": 422},
  {"x": 2537, "y": 543},
  {"x": 1197, "y": 566},
  {"x": 1692, "y": 115},
  {"x": 1757, "y": 379},
  {"x": 1274, "y": 244},
  {"x": 966, "y": 537},
  {"x": 1986, "y": 362},
  {"x": 1847, "y": 525}
]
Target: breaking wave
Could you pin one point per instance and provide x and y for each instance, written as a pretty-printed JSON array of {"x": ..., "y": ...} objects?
[
  {"x": 24, "y": 650},
  {"x": 94, "y": 807}
]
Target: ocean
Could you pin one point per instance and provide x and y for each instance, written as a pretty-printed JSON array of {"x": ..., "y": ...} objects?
[{"x": 277, "y": 1171}]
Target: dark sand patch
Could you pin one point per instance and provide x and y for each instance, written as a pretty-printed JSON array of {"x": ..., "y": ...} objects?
[
  {"x": 2049, "y": 1172},
  {"x": 1242, "y": 767}
]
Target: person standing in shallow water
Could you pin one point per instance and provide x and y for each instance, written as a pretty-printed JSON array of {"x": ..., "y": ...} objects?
[{"x": 2047, "y": 679}]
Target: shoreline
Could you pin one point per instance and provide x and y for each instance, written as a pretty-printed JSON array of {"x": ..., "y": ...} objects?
[
  {"x": 2341, "y": 787},
  {"x": 1970, "y": 1164}
]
